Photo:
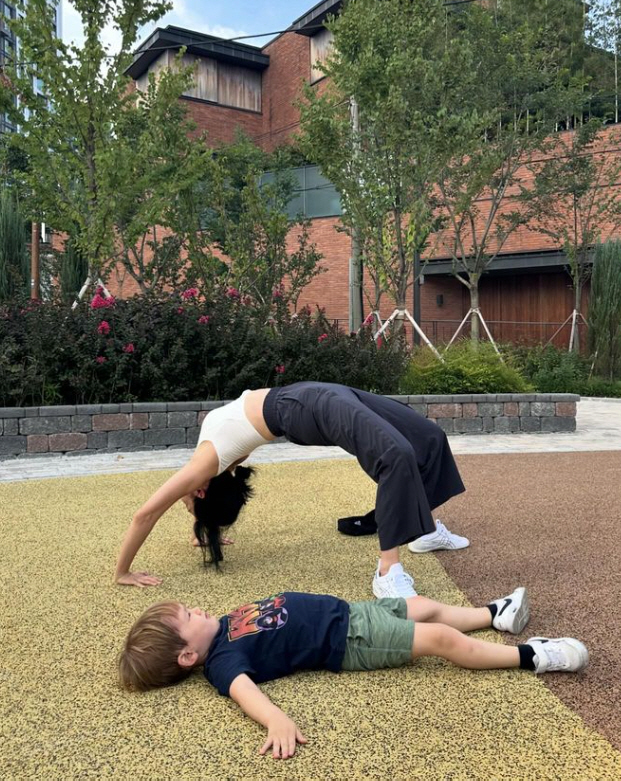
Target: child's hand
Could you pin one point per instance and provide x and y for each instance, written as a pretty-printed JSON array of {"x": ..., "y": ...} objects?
[
  {"x": 282, "y": 736},
  {"x": 140, "y": 579}
]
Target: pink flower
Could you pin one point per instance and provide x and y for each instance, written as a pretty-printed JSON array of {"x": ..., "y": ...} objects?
[
  {"x": 280, "y": 369},
  {"x": 368, "y": 319},
  {"x": 379, "y": 341},
  {"x": 99, "y": 302},
  {"x": 100, "y": 359},
  {"x": 233, "y": 292},
  {"x": 204, "y": 319},
  {"x": 180, "y": 311},
  {"x": 322, "y": 338},
  {"x": 129, "y": 348},
  {"x": 190, "y": 293},
  {"x": 276, "y": 294},
  {"x": 103, "y": 328}
]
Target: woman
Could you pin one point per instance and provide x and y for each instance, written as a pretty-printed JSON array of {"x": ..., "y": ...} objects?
[{"x": 407, "y": 456}]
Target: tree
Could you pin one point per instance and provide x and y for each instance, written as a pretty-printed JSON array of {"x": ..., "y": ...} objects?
[
  {"x": 604, "y": 37},
  {"x": 14, "y": 269},
  {"x": 271, "y": 256},
  {"x": 576, "y": 198},
  {"x": 400, "y": 62},
  {"x": 482, "y": 189},
  {"x": 605, "y": 309},
  {"x": 104, "y": 161}
]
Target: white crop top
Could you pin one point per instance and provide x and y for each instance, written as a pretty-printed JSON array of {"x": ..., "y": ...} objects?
[{"x": 231, "y": 433}]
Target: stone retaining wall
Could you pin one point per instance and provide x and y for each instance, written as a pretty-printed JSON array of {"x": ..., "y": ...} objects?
[{"x": 90, "y": 428}]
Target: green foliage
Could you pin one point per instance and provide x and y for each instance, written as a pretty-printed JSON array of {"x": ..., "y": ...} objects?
[
  {"x": 605, "y": 310},
  {"x": 466, "y": 370},
  {"x": 70, "y": 269},
  {"x": 549, "y": 369},
  {"x": 177, "y": 347},
  {"x": 103, "y": 162},
  {"x": 14, "y": 261}
]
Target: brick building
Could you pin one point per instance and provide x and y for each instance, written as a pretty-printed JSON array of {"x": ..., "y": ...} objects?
[{"x": 525, "y": 295}]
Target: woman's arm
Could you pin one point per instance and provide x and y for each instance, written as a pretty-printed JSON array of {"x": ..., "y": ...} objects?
[
  {"x": 194, "y": 475},
  {"x": 282, "y": 733}
]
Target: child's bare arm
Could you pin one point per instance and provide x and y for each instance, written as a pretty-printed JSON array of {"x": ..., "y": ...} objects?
[{"x": 282, "y": 733}]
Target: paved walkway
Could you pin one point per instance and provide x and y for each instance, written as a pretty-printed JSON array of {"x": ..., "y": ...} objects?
[{"x": 598, "y": 428}]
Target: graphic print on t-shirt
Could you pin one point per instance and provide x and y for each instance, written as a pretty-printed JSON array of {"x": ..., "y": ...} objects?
[{"x": 256, "y": 617}]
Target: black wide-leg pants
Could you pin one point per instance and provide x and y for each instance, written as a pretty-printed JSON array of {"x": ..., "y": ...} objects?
[{"x": 407, "y": 455}]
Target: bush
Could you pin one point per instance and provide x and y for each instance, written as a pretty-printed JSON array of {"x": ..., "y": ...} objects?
[
  {"x": 466, "y": 370},
  {"x": 177, "y": 347},
  {"x": 549, "y": 369}
]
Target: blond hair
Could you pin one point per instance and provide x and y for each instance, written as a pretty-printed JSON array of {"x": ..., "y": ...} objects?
[{"x": 149, "y": 657}]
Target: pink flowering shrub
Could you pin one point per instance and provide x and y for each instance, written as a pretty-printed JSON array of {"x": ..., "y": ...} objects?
[
  {"x": 189, "y": 294},
  {"x": 103, "y": 328}
]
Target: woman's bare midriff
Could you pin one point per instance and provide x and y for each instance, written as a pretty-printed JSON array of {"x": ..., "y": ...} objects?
[{"x": 253, "y": 407}]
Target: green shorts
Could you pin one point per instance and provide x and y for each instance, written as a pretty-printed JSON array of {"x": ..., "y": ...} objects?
[{"x": 379, "y": 635}]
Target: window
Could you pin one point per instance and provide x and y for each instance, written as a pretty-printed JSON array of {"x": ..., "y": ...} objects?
[{"x": 313, "y": 194}]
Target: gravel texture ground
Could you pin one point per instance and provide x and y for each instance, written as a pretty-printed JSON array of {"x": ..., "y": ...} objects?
[{"x": 550, "y": 522}]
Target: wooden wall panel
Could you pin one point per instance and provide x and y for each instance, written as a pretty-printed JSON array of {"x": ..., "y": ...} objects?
[
  {"x": 239, "y": 87},
  {"x": 320, "y": 48}
]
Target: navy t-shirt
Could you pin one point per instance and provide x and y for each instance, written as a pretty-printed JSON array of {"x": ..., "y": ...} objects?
[{"x": 277, "y": 636}]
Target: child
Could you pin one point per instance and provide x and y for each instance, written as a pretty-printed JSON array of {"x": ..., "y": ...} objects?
[{"x": 291, "y": 631}]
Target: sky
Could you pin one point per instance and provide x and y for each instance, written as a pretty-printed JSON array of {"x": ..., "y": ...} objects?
[{"x": 215, "y": 17}]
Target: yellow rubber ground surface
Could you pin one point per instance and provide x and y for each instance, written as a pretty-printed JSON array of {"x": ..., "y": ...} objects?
[{"x": 62, "y": 622}]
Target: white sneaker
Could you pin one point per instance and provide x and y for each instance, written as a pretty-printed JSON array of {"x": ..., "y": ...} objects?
[
  {"x": 561, "y": 654},
  {"x": 395, "y": 583},
  {"x": 441, "y": 539},
  {"x": 513, "y": 612}
]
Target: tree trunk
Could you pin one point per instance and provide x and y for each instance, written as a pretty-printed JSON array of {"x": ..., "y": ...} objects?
[
  {"x": 575, "y": 344},
  {"x": 474, "y": 304}
]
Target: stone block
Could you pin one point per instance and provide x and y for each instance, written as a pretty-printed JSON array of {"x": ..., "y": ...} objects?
[
  {"x": 97, "y": 440},
  {"x": 183, "y": 406},
  {"x": 11, "y": 427},
  {"x": 543, "y": 408},
  {"x": 110, "y": 409},
  {"x": 31, "y": 412},
  {"x": 45, "y": 425},
  {"x": 158, "y": 420},
  {"x": 12, "y": 412},
  {"x": 88, "y": 409},
  {"x": 490, "y": 409},
  {"x": 420, "y": 408},
  {"x": 138, "y": 421},
  {"x": 530, "y": 424},
  {"x": 469, "y": 425},
  {"x": 181, "y": 419},
  {"x": 566, "y": 409},
  {"x": 400, "y": 399},
  {"x": 446, "y": 424},
  {"x": 511, "y": 409},
  {"x": 444, "y": 410},
  {"x": 111, "y": 421},
  {"x": 201, "y": 417},
  {"x": 524, "y": 409},
  {"x": 12, "y": 446},
  {"x": 504, "y": 397},
  {"x": 155, "y": 406},
  {"x": 557, "y": 425},
  {"x": 165, "y": 436},
  {"x": 209, "y": 405},
  {"x": 125, "y": 439},
  {"x": 416, "y": 399},
  {"x": 463, "y": 398},
  {"x": 126, "y": 407},
  {"x": 437, "y": 399},
  {"x": 56, "y": 411},
  {"x": 37, "y": 443},
  {"x": 192, "y": 435},
  {"x": 488, "y": 398},
  {"x": 65, "y": 442},
  {"x": 506, "y": 425},
  {"x": 82, "y": 423},
  {"x": 470, "y": 410},
  {"x": 488, "y": 424}
]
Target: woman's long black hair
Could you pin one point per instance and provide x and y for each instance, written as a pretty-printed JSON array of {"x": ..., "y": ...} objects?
[{"x": 225, "y": 496}]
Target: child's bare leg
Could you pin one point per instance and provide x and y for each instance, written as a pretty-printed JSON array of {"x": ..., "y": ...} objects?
[
  {"x": 466, "y": 619},
  {"x": 448, "y": 643}
]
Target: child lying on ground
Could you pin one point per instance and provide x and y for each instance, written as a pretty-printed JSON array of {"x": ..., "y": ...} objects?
[{"x": 291, "y": 631}]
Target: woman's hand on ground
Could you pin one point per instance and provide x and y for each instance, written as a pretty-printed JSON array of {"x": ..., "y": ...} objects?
[
  {"x": 140, "y": 579},
  {"x": 282, "y": 737}
]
